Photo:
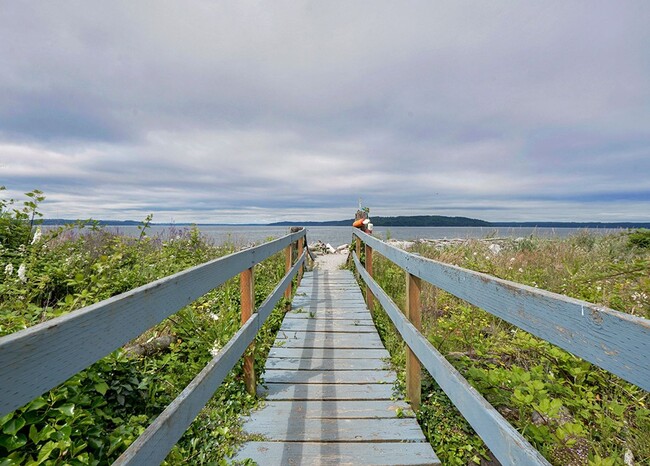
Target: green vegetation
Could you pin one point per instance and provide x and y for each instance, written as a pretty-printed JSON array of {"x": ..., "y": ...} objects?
[
  {"x": 94, "y": 416},
  {"x": 571, "y": 411}
]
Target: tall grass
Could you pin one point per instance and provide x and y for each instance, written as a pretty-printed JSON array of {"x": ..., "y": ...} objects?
[{"x": 573, "y": 412}]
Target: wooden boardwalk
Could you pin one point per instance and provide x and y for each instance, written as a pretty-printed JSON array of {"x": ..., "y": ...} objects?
[{"x": 329, "y": 392}]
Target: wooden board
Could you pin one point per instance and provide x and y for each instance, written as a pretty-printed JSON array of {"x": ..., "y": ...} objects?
[
  {"x": 329, "y": 325},
  {"x": 328, "y": 340},
  {"x": 334, "y": 409},
  {"x": 328, "y": 387},
  {"x": 328, "y": 353},
  {"x": 334, "y": 363},
  {"x": 353, "y": 454},
  {"x": 328, "y": 376},
  {"x": 336, "y": 430},
  {"x": 284, "y": 391}
]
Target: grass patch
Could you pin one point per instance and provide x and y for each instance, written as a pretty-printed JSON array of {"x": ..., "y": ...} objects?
[{"x": 571, "y": 411}]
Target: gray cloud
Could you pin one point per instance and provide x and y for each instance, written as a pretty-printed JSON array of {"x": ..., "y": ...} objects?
[{"x": 232, "y": 111}]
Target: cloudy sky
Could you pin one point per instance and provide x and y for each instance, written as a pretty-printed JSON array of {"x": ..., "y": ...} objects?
[{"x": 239, "y": 111}]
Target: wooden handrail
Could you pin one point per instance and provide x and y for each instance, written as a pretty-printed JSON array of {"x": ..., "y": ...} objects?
[
  {"x": 41, "y": 357},
  {"x": 158, "y": 439},
  {"x": 613, "y": 340}
]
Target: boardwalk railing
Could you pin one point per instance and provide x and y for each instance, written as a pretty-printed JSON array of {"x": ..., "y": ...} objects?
[
  {"x": 617, "y": 342},
  {"x": 39, "y": 358}
]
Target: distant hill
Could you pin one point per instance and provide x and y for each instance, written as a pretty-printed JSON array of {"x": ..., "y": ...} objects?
[{"x": 401, "y": 221}]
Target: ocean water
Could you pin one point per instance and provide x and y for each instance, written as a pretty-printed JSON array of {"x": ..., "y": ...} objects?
[{"x": 337, "y": 236}]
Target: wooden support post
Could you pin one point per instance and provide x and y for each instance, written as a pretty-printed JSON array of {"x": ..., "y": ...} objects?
[
  {"x": 247, "y": 291},
  {"x": 412, "y": 308},
  {"x": 288, "y": 260},
  {"x": 301, "y": 247},
  {"x": 369, "y": 296},
  {"x": 358, "y": 250}
]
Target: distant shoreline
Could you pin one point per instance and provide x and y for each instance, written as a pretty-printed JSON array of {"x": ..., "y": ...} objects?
[{"x": 404, "y": 221}]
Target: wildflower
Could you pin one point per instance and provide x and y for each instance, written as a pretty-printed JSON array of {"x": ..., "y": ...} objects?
[
  {"x": 214, "y": 351},
  {"x": 37, "y": 236},
  {"x": 9, "y": 269},
  {"x": 521, "y": 270},
  {"x": 494, "y": 248},
  {"x": 21, "y": 272},
  {"x": 213, "y": 316}
]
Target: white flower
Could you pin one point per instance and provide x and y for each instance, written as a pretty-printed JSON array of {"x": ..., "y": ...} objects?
[
  {"x": 213, "y": 316},
  {"x": 521, "y": 270},
  {"x": 37, "y": 236},
  {"x": 494, "y": 248},
  {"x": 21, "y": 272},
  {"x": 214, "y": 351},
  {"x": 9, "y": 269}
]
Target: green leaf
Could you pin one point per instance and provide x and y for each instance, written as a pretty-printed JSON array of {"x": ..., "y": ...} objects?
[
  {"x": 13, "y": 426},
  {"x": 38, "y": 403},
  {"x": 45, "y": 451},
  {"x": 67, "y": 409},
  {"x": 101, "y": 387},
  {"x": 13, "y": 442}
]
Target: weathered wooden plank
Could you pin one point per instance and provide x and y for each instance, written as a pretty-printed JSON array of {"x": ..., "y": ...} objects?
[
  {"x": 330, "y": 363},
  {"x": 318, "y": 325},
  {"x": 336, "y": 430},
  {"x": 613, "y": 340},
  {"x": 329, "y": 315},
  {"x": 503, "y": 440},
  {"x": 328, "y": 353},
  {"x": 282, "y": 391},
  {"x": 328, "y": 376},
  {"x": 339, "y": 409},
  {"x": 158, "y": 439},
  {"x": 353, "y": 454},
  {"x": 327, "y": 340},
  {"x": 37, "y": 359}
]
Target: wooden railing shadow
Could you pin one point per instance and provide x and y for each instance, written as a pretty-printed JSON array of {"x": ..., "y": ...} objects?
[
  {"x": 39, "y": 358},
  {"x": 612, "y": 340}
]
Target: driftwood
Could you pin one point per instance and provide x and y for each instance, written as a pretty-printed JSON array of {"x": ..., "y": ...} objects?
[{"x": 150, "y": 347}]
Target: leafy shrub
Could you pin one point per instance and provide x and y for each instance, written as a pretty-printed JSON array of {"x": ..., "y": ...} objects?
[
  {"x": 95, "y": 415},
  {"x": 639, "y": 238},
  {"x": 571, "y": 411}
]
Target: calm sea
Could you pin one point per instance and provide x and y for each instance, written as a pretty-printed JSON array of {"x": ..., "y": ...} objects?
[{"x": 342, "y": 235}]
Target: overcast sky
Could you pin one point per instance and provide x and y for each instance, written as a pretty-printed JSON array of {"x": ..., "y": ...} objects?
[{"x": 240, "y": 111}]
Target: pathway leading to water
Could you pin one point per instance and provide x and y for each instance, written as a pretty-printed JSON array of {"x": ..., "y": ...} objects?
[{"x": 328, "y": 389}]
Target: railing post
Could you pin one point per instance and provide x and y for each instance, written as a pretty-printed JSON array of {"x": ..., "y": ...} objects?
[
  {"x": 358, "y": 250},
  {"x": 369, "y": 295},
  {"x": 301, "y": 247},
  {"x": 288, "y": 259},
  {"x": 247, "y": 288},
  {"x": 412, "y": 308}
]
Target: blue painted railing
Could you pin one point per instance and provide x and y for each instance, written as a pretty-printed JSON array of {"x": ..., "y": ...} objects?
[
  {"x": 39, "y": 358},
  {"x": 615, "y": 341}
]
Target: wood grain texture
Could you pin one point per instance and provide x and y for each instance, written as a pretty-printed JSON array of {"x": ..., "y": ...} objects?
[
  {"x": 247, "y": 300},
  {"x": 613, "y": 340},
  {"x": 282, "y": 391},
  {"x": 158, "y": 439},
  {"x": 328, "y": 340},
  {"x": 320, "y": 376},
  {"x": 413, "y": 371},
  {"x": 37, "y": 359},
  {"x": 351, "y": 454},
  {"x": 328, "y": 353},
  {"x": 503, "y": 440},
  {"x": 339, "y": 325},
  {"x": 336, "y": 430},
  {"x": 327, "y": 385},
  {"x": 334, "y": 409},
  {"x": 330, "y": 363}
]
